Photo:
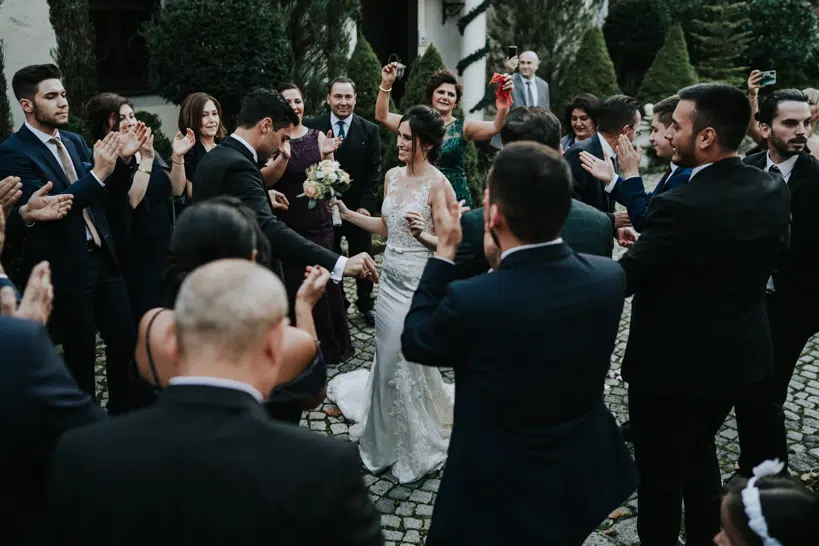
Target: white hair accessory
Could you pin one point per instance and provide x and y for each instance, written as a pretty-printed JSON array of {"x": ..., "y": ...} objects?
[{"x": 753, "y": 507}]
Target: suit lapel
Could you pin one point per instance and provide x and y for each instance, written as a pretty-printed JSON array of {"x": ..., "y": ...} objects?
[
  {"x": 353, "y": 131},
  {"x": 40, "y": 151},
  {"x": 79, "y": 168},
  {"x": 242, "y": 149},
  {"x": 800, "y": 172}
]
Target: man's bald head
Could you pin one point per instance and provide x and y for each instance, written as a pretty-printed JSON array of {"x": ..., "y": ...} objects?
[
  {"x": 529, "y": 63},
  {"x": 226, "y": 308}
]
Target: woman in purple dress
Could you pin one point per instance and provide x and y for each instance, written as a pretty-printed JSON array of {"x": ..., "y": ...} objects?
[{"x": 287, "y": 171}]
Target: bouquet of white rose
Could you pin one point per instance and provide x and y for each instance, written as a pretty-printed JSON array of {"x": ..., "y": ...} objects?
[{"x": 325, "y": 180}]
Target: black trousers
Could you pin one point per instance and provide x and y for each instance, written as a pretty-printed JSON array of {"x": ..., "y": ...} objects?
[
  {"x": 676, "y": 458},
  {"x": 358, "y": 241},
  {"x": 103, "y": 305},
  {"x": 761, "y": 416}
]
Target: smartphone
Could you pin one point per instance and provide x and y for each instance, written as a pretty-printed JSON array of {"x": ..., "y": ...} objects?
[
  {"x": 768, "y": 78},
  {"x": 512, "y": 51}
]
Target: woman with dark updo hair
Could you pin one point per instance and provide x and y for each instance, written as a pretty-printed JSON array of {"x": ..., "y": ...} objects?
[
  {"x": 403, "y": 411},
  {"x": 218, "y": 229}
]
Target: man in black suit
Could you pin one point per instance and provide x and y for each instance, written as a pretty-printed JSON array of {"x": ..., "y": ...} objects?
[
  {"x": 232, "y": 168},
  {"x": 620, "y": 115},
  {"x": 792, "y": 300},
  {"x": 360, "y": 156},
  {"x": 532, "y": 339},
  {"x": 204, "y": 464},
  {"x": 699, "y": 336},
  {"x": 88, "y": 288},
  {"x": 586, "y": 229}
]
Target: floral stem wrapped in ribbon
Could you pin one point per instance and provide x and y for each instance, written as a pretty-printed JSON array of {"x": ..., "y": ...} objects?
[{"x": 325, "y": 180}]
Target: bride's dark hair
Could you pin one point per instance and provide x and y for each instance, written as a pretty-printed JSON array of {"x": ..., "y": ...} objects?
[
  {"x": 216, "y": 229},
  {"x": 427, "y": 126}
]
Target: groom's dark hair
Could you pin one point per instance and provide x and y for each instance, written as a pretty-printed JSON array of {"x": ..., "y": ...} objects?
[
  {"x": 266, "y": 103},
  {"x": 532, "y": 186}
]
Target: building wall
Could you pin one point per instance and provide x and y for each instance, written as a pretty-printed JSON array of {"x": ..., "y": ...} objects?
[
  {"x": 431, "y": 30},
  {"x": 28, "y": 38}
]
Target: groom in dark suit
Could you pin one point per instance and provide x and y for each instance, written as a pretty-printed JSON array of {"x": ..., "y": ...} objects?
[
  {"x": 534, "y": 339},
  {"x": 232, "y": 168},
  {"x": 586, "y": 229},
  {"x": 360, "y": 156}
]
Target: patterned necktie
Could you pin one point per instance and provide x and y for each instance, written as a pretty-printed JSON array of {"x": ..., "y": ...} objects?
[
  {"x": 341, "y": 132},
  {"x": 530, "y": 99},
  {"x": 68, "y": 167}
]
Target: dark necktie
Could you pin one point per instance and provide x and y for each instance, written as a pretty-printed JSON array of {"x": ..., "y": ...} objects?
[
  {"x": 775, "y": 170},
  {"x": 530, "y": 99},
  {"x": 663, "y": 180},
  {"x": 341, "y": 132}
]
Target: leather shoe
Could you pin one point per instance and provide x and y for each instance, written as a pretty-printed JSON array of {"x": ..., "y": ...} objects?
[{"x": 369, "y": 318}]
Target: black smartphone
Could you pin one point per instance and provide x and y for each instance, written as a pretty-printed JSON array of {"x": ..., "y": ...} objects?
[{"x": 512, "y": 51}]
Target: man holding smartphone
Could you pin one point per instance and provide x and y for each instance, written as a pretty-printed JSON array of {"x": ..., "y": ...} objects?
[{"x": 530, "y": 90}]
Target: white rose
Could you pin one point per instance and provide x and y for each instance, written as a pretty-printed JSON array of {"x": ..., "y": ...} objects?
[{"x": 319, "y": 175}]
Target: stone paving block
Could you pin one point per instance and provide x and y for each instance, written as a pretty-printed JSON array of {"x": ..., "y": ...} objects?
[
  {"x": 400, "y": 493},
  {"x": 599, "y": 539},
  {"x": 413, "y": 523},
  {"x": 421, "y": 496},
  {"x": 405, "y": 509},
  {"x": 412, "y": 537},
  {"x": 390, "y": 521},
  {"x": 385, "y": 506}
]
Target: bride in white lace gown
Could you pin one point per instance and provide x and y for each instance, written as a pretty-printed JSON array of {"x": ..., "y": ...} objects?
[{"x": 402, "y": 410}]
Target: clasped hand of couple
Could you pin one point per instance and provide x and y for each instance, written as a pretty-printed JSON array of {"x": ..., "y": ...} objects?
[{"x": 629, "y": 158}]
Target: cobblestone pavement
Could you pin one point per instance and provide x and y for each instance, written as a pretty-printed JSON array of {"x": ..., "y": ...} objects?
[{"x": 406, "y": 509}]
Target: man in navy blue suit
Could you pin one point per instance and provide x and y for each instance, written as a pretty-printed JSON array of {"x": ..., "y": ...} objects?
[
  {"x": 532, "y": 338},
  {"x": 88, "y": 289},
  {"x": 629, "y": 189}
]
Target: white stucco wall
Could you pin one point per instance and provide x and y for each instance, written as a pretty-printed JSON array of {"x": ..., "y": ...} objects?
[
  {"x": 446, "y": 38},
  {"x": 28, "y": 39}
]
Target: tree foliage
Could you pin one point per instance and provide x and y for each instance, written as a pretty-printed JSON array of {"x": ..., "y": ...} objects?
[
  {"x": 75, "y": 53},
  {"x": 590, "y": 72},
  {"x": 6, "y": 121},
  {"x": 252, "y": 51},
  {"x": 671, "y": 69},
  {"x": 319, "y": 34},
  {"x": 634, "y": 29},
  {"x": 722, "y": 39},
  {"x": 786, "y": 39}
]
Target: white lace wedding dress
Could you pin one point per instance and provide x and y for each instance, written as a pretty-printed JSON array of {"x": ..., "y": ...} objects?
[{"x": 402, "y": 410}]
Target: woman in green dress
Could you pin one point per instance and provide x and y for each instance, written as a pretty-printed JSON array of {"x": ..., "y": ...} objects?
[{"x": 443, "y": 94}]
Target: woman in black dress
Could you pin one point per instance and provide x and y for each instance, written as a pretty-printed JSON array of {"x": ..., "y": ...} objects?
[
  {"x": 202, "y": 114},
  {"x": 139, "y": 201}
]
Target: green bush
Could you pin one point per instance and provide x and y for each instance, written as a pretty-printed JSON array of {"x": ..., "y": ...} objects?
[
  {"x": 722, "y": 40},
  {"x": 250, "y": 52},
  {"x": 75, "y": 53},
  {"x": 6, "y": 121},
  {"x": 421, "y": 69},
  {"x": 634, "y": 28},
  {"x": 162, "y": 144},
  {"x": 671, "y": 69},
  {"x": 591, "y": 71}
]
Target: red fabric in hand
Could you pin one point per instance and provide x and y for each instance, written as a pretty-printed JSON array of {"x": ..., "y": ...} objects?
[{"x": 503, "y": 99}]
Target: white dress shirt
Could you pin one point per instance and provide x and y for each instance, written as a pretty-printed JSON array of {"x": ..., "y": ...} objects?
[
  {"x": 220, "y": 382},
  {"x": 696, "y": 170},
  {"x": 786, "y": 169},
  {"x": 334, "y": 124},
  {"x": 608, "y": 153},
  {"x": 338, "y": 270},
  {"x": 509, "y": 251}
]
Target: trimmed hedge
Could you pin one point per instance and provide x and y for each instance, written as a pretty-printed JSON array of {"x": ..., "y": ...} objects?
[
  {"x": 671, "y": 69},
  {"x": 591, "y": 71}
]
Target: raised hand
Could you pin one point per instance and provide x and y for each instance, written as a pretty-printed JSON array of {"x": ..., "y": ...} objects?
[
  {"x": 10, "y": 191},
  {"x": 446, "y": 217},
  {"x": 361, "y": 266},
  {"x": 626, "y": 237},
  {"x": 512, "y": 64},
  {"x": 106, "y": 152},
  {"x": 629, "y": 157},
  {"x": 601, "y": 169},
  {"x": 132, "y": 139},
  {"x": 508, "y": 83},
  {"x": 754, "y": 83},
  {"x": 278, "y": 200},
  {"x": 329, "y": 144},
  {"x": 284, "y": 150},
  {"x": 182, "y": 144},
  {"x": 314, "y": 285},
  {"x": 42, "y": 207},
  {"x": 147, "y": 149},
  {"x": 388, "y": 75},
  {"x": 416, "y": 223}
]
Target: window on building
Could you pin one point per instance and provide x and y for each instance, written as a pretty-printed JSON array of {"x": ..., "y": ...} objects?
[{"x": 122, "y": 56}]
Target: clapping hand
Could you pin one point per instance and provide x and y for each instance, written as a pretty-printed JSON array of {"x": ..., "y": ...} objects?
[
  {"x": 629, "y": 157},
  {"x": 42, "y": 207},
  {"x": 37, "y": 300},
  {"x": 132, "y": 139},
  {"x": 182, "y": 144},
  {"x": 278, "y": 200},
  {"x": 329, "y": 144},
  {"x": 446, "y": 217},
  {"x": 147, "y": 148},
  {"x": 601, "y": 169},
  {"x": 626, "y": 237},
  {"x": 314, "y": 285},
  {"x": 106, "y": 152},
  {"x": 416, "y": 223},
  {"x": 10, "y": 191}
]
